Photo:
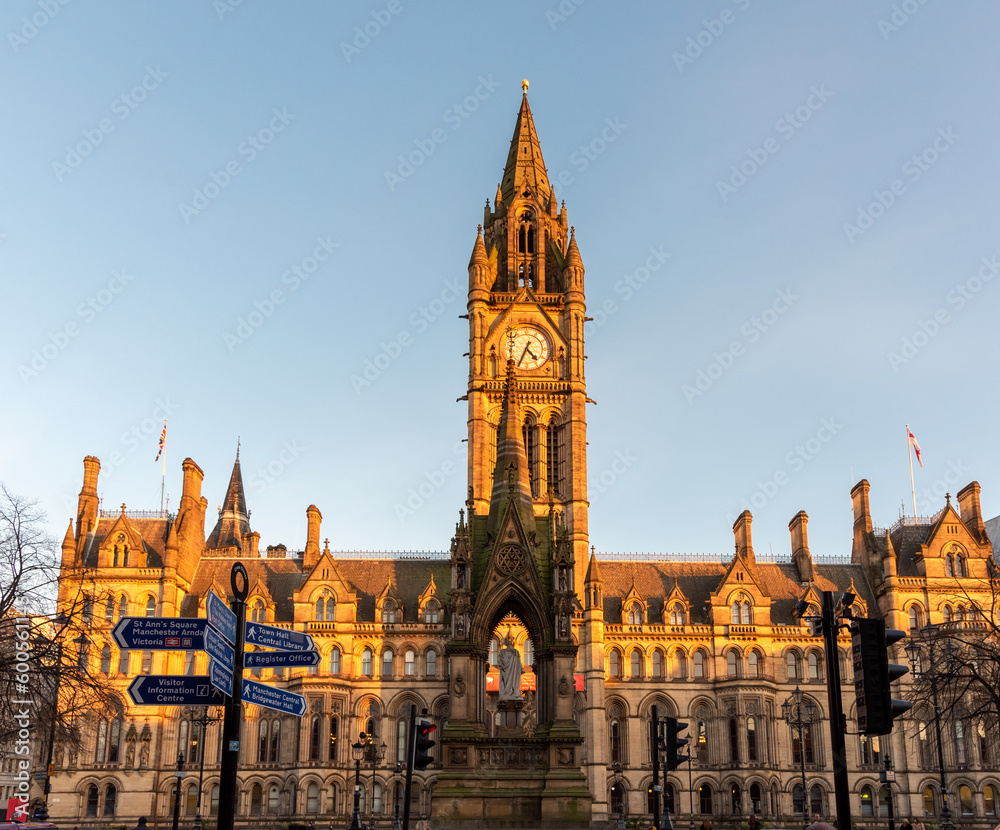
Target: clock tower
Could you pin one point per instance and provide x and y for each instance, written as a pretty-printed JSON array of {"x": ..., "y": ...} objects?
[{"x": 526, "y": 304}]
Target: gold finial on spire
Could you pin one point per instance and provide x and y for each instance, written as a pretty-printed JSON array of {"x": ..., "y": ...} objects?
[{"x": 524, "y": 85}]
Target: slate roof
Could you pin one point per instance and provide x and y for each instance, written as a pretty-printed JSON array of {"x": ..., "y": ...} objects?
[{"x": 153, "y": 532}]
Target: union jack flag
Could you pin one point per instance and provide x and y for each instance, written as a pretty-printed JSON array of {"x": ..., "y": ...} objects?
[{"x": 163, "y": 441}]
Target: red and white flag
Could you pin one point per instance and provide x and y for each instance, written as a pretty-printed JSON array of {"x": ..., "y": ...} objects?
[
  {"x": 163, "y": 442},
  {"x": 915, "y": 445}
]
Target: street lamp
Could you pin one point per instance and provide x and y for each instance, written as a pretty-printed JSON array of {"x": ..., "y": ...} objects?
[
  {"x": 621, "y": 796},
  {"x": 375, "y": 755},
  {"x": 178, "y": 775},
  {"x": 397, "y": 778},
  {"x": 204, "y": 720},
  {"x": 792, "y": 712},
  {"x": 929, "y": 634},
  {"x": 357, "y": 752},
  {"x": 41, "y": 641}
]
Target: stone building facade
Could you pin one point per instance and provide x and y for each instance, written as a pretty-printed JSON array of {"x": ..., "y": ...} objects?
[{"x": 604, "y": 639}]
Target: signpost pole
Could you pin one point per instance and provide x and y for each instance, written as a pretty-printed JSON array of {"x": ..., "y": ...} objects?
[
  {"x": 410, "y": 749},
  {"x": 234, "y": 707}
]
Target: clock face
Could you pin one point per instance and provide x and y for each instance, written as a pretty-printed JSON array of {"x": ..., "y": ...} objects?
[{"x": 527, "y": 347}]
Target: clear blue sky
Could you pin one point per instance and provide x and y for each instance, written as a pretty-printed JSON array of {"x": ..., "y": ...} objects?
[{"x": 207, "y": 215}]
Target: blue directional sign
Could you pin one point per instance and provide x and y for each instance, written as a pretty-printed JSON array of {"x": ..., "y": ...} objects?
[
  {"x": 271, "y": 636},
  {"x": 221, "y": 677},
  {"x": 220, "y": 617},
  {"x": 279, "y": 659},
  {"x": 273, "y": 698},
  {"x": 219, "y": 649},
  {"x": 161, "y": 633},
  {"x": 174, "y": 690}
]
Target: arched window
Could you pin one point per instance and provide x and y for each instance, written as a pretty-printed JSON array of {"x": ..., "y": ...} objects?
[
  {"x": 431, "y": 611},
  {"x": 615, "y": 737},
  {"x": 869, "y": 751},
  {"x": 376, "y": 798},
  {"x": 816, "y": 800},
  {"x": 124, "y": 556},
  {"x": 389, "y": 611},
  {"x": 792, "y": 664},
  {"x": 123, "y": 606},
  {"x": 702, "y": 744},
  {"x": 150, "y": 607},
  {"x": 256, "y": 800},
  {"x": 745, "y": 613},
  {"x": 959, "y": 613},
  {"x": 320, "y": 604},
  {"x": 387, "y": 663},
  {"x": 734, "y": 741},
  {"x": 614, "y": 667},
  {"x": 946, "y": 614},
  {"x": 92, "y": 800},
  {"x": 262, "y": 729},
  {"x": 990, "y": 800},
  {"x": 109, "y": 611},
  {"x": 555, "y": 465},
  {"x": 949, "y": 565},
  {"x": 123, "y": 661},
  {"x": 275, "y": 741},
  {"x": 430, "y": 663},
  {"x": 401, "y": 740},
  {"x": 699, "y": 664},
  {"x": 494, "y": 651},
  {"x": 680, "y": 663},
  {"x": 813, "y": 666},
  {"x": 312, "y": 798},
  {"x": 634, "y": 614},
  {"x": 959, "y": 565},
  {"x": 635, "y": 664},
  {"x": 799, "y": 799},
  {"x": 735, "y": 799},
  {"x": 366, "y": 662},
  {"x": 916, "y": 618},
  {"x": 734, "y": 617},
  {"x": 334, "y": 660},
  {"x": 755, "y": 799},
  {"x": 529, "y": 652},
  {"x": 331, "y": 609},
  {"x": 191, "y": 800},
  {"x": 929, "y": 808},
  {"x": 732, "y": 663},
  {"x": 409, "y": 663},
  {"x": 314, "y": 733},
  {"x": 213, "y": 802},
  {"x": 110, "y": 800},
  {"x": 752, "y": 739},
  {"x": 332, "y": 743},
  {"x": 617, "y": 805},
  {"x": 923, "y": 741},
  {"x": 273, "y": 799},
  {"x": 705, "y": 799},
  {"x": 257, "y": 611},
  {"x": 677, "y": 614},
  {"x": 106, "y": 660}
]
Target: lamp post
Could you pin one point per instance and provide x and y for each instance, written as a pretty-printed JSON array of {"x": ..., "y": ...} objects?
[
  {"x": 357, "y": 752},
  {"x": 178, "y": 775},
  {"x": 928, "y": 634},
  {"x": 397, "y": 778},
  {"x": 792, "y": 711},
  {"x": 621, "y": 796},
  {"x": 204, "y": 720},
  {"x": 61, "y": 622},
  {"x": 375, "y": 755}
]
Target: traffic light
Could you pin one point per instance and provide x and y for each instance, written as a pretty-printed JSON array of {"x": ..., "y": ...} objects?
[
  {"x": 873, "y": 673},
  {"x": 422, "y": 746},
  {"x": 674, "y": 743}
]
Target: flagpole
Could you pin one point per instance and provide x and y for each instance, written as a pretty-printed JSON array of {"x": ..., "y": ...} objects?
[
  {"x": 163, "y": 478},
  {"x": 909, "y": 457}
]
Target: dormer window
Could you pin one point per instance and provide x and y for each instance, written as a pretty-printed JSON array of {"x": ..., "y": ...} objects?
[
  {"x": 634, "y": 614},
  {"x": 389, "y": 611}
]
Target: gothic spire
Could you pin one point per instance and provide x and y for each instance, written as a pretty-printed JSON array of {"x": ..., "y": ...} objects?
[
  {"x": 510, "y": 475},
  {"x": 234, "y": 522},
  {"x": 525, "y": 166}
]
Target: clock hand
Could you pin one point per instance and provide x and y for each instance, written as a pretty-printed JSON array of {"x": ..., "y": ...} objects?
[{"x": 526, "y": 351}]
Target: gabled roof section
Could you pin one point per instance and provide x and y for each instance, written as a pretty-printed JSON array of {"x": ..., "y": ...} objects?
[
  {"x": 525, "y": 168},
  {"x": 234, "y": 523}
]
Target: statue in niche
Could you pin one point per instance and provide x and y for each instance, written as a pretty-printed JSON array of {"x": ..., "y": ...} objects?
[{"x": 509, "y": 662}]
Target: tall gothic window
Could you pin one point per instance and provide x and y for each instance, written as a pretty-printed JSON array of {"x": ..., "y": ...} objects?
[
  {"x": 366, "y": 662},
  {"x": 555, "y": 457},
  {"x": 334, "y": 660},
  {"x": 430, "y": 663},
  {"x": 529, "y": 434},
  {"x": 752, "y": 739}
]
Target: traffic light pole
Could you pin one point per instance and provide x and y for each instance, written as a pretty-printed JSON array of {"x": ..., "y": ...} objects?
[
  {"x": 411, "y": 744},
  {"x": 838, "y": 723},
  {"x": 654, "y": 750}
]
